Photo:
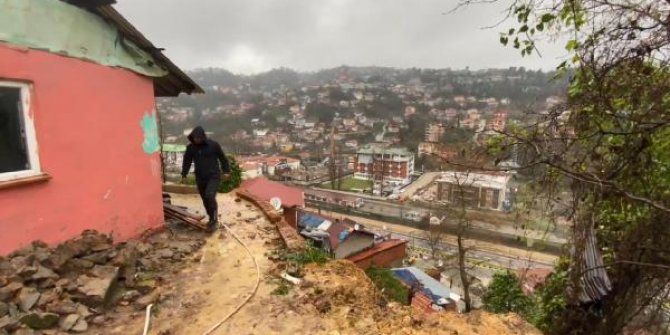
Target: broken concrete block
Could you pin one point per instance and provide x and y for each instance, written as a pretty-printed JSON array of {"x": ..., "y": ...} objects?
[
  {"x": 27, "y": 298},
  {"x": 43, "y": 273},
  {"x": 66, "y": 323},
  {"x": 130, "y": 295},
  {"x": 13, "y": 310},
  {"x": 8, "y": 291},
  {"x": 146, "y": 285},
  {"x": 83, "y": 311},
  {"x": 46, "y": 284},
  {"x": 164, "y": 253},
  {"x": 62, "y": 307},
  {"x": 59, "y": 257},
  {"x": 148, "y": 299},
  {"x": 40, "y": 320},
  {"x": 99, "y": 320},
  {"x": 6, "y": 321},
  {"x": 126, "y": 259},
  {"x": 76, "y": 265},
  {"x": 101, "y": 257},
  {"x": 80, "y": 327},
  {"x": 95, "y": 290},
  {"x": 47, "y": 297},
  {"x": 24, "y": 331}
]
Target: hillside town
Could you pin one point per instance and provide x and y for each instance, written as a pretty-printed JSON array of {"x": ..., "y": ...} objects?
[{"x": 232, "y": 195}]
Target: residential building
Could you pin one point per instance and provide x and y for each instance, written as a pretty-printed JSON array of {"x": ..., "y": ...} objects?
[
  {"x": 477, "y": 190},
  {"x": 410, "y": 110},
  {"x": 266, "y": 165},
  {"x": 471, "y": 119},
  {"x": 79, "y": 143},
  {"x": 437, "y": 149},
  {"x": 393, "y": 127},
  {"x": 173, "y": 156},
  {"x": 261, "y": 132},
  {"x": 428, "y": 295},
  {"x": 434, "y": 132},
  {"x": 382, "y": 164},
  {"x": 498, "y": 122},
  {"x": 386, "y": 254},
  {"x": 346, "y": 239}
]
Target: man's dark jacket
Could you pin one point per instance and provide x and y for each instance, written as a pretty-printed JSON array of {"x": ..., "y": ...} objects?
[{"x": 206, "y": 157}]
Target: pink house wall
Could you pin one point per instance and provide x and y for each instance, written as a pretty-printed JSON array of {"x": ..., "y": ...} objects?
[{"x": 87, "y": 119}]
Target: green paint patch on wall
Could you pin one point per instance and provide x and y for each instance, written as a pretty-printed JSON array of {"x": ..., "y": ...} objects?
[{"x": 151, "y": 143}]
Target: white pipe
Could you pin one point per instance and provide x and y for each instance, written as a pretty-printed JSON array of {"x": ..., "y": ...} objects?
[
  {"x": 253, "y": 292},
  {"x": 147, "y": 317}
]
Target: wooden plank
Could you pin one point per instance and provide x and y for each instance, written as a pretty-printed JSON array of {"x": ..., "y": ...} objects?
[{"x": 181, "y": 211}]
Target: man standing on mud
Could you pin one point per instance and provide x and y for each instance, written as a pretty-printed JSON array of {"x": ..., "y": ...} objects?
[{"x": 206, "y": 154}]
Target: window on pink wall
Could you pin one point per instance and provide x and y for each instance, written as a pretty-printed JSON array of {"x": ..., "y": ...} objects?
[{"x": 18, "y": 143}]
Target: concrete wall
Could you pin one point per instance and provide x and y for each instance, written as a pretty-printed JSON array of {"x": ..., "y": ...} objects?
[
  {"x": 88, "y": 124},
  {"x": 388, "y": 258}
]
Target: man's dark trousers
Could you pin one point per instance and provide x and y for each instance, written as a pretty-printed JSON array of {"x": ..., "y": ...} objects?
[{"x": 208, "y": 188}]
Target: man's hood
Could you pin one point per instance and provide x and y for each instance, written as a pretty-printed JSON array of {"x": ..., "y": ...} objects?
[{"x": 197, "y": 131}]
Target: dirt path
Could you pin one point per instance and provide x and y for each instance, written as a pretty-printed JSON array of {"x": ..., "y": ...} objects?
[{"x": 221, "y": 275}]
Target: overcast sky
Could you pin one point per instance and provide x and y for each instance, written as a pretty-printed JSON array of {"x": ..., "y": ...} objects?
[{"x": 250, "y": 36}]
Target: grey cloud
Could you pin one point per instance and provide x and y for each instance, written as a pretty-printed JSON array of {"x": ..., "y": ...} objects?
[{"x": 256, "y": 35}]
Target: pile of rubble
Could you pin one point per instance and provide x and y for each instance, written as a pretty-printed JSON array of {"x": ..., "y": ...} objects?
[
  {"x": 75, "y": 284},
  {"x": 341, "y": 292}
]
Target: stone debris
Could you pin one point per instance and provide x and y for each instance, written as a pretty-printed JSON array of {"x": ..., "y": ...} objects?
[
  {"x": 68, "y": 321},
  {"x": 40, "y": 320},
  {"x": 70, "y": 286},
  {"x": 28, "y": 298}
]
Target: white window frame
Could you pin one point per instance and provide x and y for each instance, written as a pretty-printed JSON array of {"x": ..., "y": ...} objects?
[{"x": 30, "y": 136}]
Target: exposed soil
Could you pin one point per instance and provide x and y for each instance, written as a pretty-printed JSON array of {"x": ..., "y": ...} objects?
[{"x": 193, "y": 291}]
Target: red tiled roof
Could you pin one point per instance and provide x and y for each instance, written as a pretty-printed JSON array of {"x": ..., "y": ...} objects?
[
  {"x": 381, "y": 247},
  {"x": 265, "y": 190}
]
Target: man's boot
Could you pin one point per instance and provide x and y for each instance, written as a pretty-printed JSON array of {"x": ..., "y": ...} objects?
[{"x": 213, "y": 224}]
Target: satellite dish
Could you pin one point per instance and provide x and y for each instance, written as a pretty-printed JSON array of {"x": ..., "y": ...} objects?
[
  {"x": 276, "y": 203},
  {"x": 357, "y": 227}
]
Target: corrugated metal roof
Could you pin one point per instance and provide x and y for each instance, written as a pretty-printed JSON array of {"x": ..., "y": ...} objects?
[
  {"x": 176, "y": 81},
  {"x": 412, "y": 276}
]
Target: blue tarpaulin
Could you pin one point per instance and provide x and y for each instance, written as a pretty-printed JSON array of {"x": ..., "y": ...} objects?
[{"x": 308, "y": 220}]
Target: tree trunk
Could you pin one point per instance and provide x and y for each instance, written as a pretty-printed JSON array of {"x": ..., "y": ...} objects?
[{"x": 464, "y": 275}]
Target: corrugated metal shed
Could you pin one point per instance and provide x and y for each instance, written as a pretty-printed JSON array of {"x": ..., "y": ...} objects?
[{"x": 170, "y": 85}]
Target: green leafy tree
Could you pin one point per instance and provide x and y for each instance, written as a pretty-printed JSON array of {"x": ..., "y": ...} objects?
[
  {"x": 504, "y": 294},
  {"x": 607, "y": 147},
  {"x": 235, "y": 176},
  {"x": 549, "y": 303}
]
